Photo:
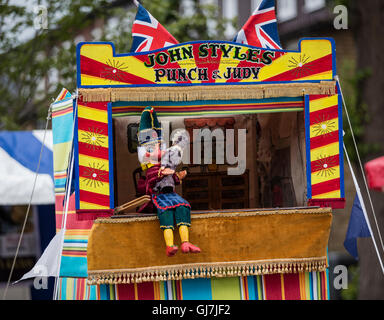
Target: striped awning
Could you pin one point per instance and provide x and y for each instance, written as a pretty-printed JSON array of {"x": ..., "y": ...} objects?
[{"x": 207, "y": 107}]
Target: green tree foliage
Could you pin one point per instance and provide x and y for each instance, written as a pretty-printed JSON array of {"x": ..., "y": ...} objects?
[
  {"x": 36, "y": 63},
  {"x": 353, "y": 80},
  {"x": 351, "y": 293}
]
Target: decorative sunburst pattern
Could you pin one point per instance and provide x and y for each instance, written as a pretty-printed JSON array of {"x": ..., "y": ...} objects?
[
  {"x": 94, "y": 156},
  {"x": 324, "y": 125},
  {"x": 325, "y": 162},
  {"x": 325, "y": 166},
  {"x": 94, "y": 175},
  {"x": 94, "y": 138},
  {"x": 300, "y": 67},
  {"x": 114, "y": 70}
]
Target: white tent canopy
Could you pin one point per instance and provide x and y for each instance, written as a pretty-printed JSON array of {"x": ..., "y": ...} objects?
[{"x": 19, "y": 158}]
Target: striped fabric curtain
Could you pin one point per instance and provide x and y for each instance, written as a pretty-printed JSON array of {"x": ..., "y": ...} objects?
[{"x": 290, "y": 286}]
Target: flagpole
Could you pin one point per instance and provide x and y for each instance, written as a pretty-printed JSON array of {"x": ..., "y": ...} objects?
[{"x": 363, "y": 207}]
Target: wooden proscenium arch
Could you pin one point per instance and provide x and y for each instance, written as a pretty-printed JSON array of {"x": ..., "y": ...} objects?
[{"x": 207, "y": 77}]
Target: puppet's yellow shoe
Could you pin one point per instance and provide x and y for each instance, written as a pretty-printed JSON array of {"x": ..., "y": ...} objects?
[
  {"x": 189, "y": 247},
  {"x": 171, "y": 250}
]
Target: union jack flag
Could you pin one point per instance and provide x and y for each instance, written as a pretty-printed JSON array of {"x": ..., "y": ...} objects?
[
  {"x": 261, "y": 28},
  {"x": 148, "y": 34}
]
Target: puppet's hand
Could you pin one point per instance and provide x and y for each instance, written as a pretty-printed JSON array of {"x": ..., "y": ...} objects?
[
  {"x": 167, "y": 171},
  {"x": 181, "y": 175}
]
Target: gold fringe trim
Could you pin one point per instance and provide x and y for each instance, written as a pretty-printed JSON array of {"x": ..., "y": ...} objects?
[
  {"x": 207, "y": 92},
  {"x": 223, "y": 215},
  {"x": 207, "y": 270}
]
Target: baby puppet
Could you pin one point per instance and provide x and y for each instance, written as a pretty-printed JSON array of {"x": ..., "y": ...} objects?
[
  {"x": 170, "y": 159},
  {"x": 160, "y": 181}
]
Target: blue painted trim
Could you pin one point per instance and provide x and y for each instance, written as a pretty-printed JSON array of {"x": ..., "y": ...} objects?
[
  {"x": 80, "y": 44},
  {"x": 76, "y": 155},
  {"x": 307, "y": 146},
  {"x": 111, "y": 158},
  {"x": 78, "y": 73},
  {"x": 341, "y": 139}
]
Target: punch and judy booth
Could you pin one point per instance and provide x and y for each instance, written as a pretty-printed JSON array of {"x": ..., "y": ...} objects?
[{"x": 261, "y": 217}]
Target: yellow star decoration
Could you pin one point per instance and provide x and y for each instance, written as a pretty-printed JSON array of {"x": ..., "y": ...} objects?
[
  {"x": 300, "y": 67},
  {"x": 94, "y": 138},
  {"x": 93, "y": 175}
]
